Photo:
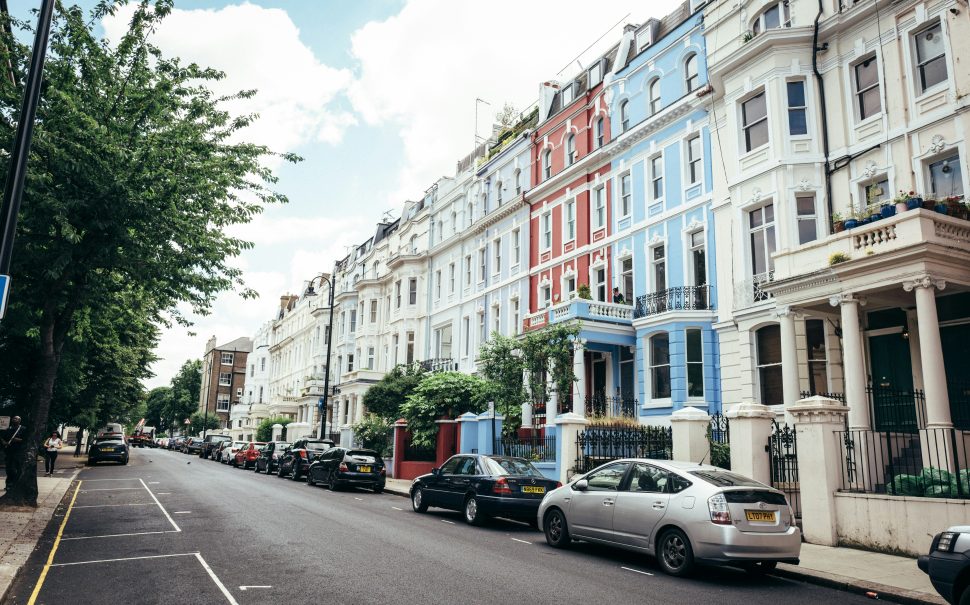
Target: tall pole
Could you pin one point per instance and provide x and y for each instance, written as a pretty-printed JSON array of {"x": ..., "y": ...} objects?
[
  {"x": 326, "y": 378},
  {"x": 14, "y": 189}
]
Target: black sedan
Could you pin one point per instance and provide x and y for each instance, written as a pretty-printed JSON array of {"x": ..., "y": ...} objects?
[
  {"x": 297, "y": 458},
  {"x": 482, "y": 487},
  {"x": 948, "y": 564},
  {"x": 193, "y": 446},
  {"x": 269, "y": 456},
  {"x": 341, "y": 466},
  {"x": 108, "y": 449}
]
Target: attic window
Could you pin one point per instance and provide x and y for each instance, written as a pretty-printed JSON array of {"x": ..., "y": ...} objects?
[
  {"x": 595, "y": 75},
  {"x": 644, "y": 38},
  {"x": 774, "y": 17},
  {"x": 568, "y": 93}
]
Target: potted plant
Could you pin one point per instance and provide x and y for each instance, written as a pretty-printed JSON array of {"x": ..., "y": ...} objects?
[
  {"x": 837, "y": 257},
  {"x": 913, "y": 201},
  {"x": 900, "y": 201},
  {"x": 929, "y": 203},
  {"x": 838, "y": 223},
  {"x": 852, "y": 220},
  {"x": 955, "y": 207},
  {"x": 940, "y": 206}
]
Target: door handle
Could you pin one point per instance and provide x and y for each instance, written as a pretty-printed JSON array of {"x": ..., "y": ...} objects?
[
  {"x": 658, "y": 506},
  {"x": 608, "y": 502}
]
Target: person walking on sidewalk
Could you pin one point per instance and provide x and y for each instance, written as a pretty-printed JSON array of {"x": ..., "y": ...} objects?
[
  {"x": 51, "y": 445},
  {"x": 13, "y": 447}
]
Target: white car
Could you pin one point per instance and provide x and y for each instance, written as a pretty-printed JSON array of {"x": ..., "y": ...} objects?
[{"x": 228, "y": 453}]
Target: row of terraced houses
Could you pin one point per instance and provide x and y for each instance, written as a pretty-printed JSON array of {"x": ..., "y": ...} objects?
[{"x": 725, "y": 182}]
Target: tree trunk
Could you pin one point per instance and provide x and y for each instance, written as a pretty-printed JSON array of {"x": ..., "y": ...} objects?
[
  {"x": 23, "y": 491},
  {"x": 80, "y": 440}
]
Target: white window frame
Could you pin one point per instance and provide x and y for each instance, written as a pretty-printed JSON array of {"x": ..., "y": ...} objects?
[
  {"x": 482, "y": 264},
  {"x": 451, "y": 278},
  {"x": 918, "y": 64},
  {"x": 599, "y": 282},
  {"x": 625, "y": 187},
  {"x": 225, "y": 379},
  {"x": 654, "y": 101},
  {"x": 497, "y": 256},
  {"x": 569, "y": 220},
  {"x": 412, "y": 290},
  {"x": 656, "y": 166},
  {"x": 516, "y": 247},
  {"x": 599, "y": 132},
  {"x": 545, "y": 295},
  {"x": 800, "y": 218},
  {"x": 941, "y": 157},
  {"x": 373, "y": 311},
  {"x": 857, "y": 93},
  {"x": 656, "y": 263},
  {"x": 570, "y": 152},
  {"x": 688, "y": 363},
  {"x": 370, "y": 358},
  {"x": 691, "y": 80},
  {"x": 466, "y": 333},
  {"x": 745, "y": 126},
  {"x": 749, "y": 231},
  {"x": 790, "y": 109},
  {"x": 468, "y": 270},
  {"x": 625, "y": 115},
  {"x": 599, "y": 208},
  {"x": 691, "y": 248},
  {"x": 437, "y": 284},
  {"x": 514, "y": 317},
  {"x": 547, "y": 164},
  {"x": 694, "y": 166},
  {"x": 652, "y": 366},
  {"x": 545, "y": 228},
  {"x": 223, "y": 356}
]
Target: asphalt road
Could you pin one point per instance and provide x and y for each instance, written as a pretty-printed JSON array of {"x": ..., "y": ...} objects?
[{"x": 171, "y": 528}]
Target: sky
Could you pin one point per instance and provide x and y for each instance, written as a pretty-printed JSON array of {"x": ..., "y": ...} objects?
[{"x": 378, "y": 97}]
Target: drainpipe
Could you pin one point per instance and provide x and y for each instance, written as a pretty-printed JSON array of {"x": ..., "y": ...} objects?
[{"x": 825, "y": 122}]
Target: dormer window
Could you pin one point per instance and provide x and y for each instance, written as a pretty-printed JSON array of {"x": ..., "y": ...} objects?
[
  {"x": 568, "y": 93},
  {"x": 595, "y": 74},
  {"x": 774, "y": 17}
]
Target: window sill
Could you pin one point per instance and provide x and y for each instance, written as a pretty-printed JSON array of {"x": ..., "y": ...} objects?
[
  {"x": 751, "y": 152},
  {"x": 658, "y": 403}
]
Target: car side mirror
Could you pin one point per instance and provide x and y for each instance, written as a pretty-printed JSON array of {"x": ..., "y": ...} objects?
[
  {"x": 435, "y": 470},
  {"x": 581, "y": 485}
]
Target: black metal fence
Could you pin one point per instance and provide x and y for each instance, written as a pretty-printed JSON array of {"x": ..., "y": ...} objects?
[
  {"x": 334, "y": 436},
  {"x": 536, "y": 449},
  {"x": 959, "y": 392},
  {"x": 598, "y": 445},
  {"x": 840, "y": 397},
  {"x": 414, "y": 453},
  {"x": 782, "y": 451},
  {"x": 931, "y": 463},
  {"x": 719, "y": 439},
  {"x": 601, "y": 405},
  {"x": 684, "y": 298},
  {"x": 897, "y": 411}
]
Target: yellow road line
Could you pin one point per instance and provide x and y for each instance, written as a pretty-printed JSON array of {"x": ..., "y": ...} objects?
[{"x": 57, "y": 542}]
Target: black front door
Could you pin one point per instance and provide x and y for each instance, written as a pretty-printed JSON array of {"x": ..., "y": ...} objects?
[
  {"x": 956, "y": 351},
  {"x": 893, "y": 402}
]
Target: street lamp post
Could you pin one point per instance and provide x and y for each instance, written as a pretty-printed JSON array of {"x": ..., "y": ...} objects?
[{"x": 326, "y": 379}]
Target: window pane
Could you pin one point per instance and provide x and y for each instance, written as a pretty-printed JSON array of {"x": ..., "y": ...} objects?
[
  {"x": 796, "y": 94},
  {"x": 806, "y": 231},
  {"x": 770, "y": 213},
  {"x": 695, "y": 380},
  {"x": 769, "y": 345},
  {"x": 759, "y": 263},
  {"x": 805, "y": 205},
  {"x": 866, "y": 74},
  {"x": 869, "y": 103},
  {"x": 694, "y": 345},
  {"x": 797, "y": 122},
  {"x": 946, "y": 177},
  {"x": 661, "y": 382},
  {"x": 754, "y": 109},
  {"x": 771, "y": 386},
  {"x": 815, "y": 337},
  {"x": 772, "y": 18},
  {"x": 929, "y": 43},
  {"x": 659, "y": 349},
  {"x": 933, "y": 72},
  {"x": 609, "y": 478},
  {"x": 756, "y": 135}
]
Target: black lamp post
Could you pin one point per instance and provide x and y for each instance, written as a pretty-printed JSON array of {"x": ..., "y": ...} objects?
[{"x": 326, "y": 379}]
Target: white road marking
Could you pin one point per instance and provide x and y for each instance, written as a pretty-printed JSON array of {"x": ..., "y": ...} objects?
[
  {"x": 105, "y": 505},
  {"x": 646, "y": 573},
  {"x": 137, "y": 533},
  {"x": 164, "y": 494},
  {"x": 447, "y": 521},
  {"x": 522, "y": 541},
  {"x": 245, "y": 588},
  {"x": 165, "y": 512},
  {"x": 394, "y": 507},
  {"x": 215, "y": 579},
  {"x": 184, "y": 554},
  {"x": 181, "y": 512},
  {"x": 356, "y": 498},
  {"x": 153, "y": 483}
]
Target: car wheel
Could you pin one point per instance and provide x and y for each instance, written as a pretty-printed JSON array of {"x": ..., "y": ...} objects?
[
  {"x": 279, "y": 471},
  {"x": 125, "y": 461},
  {"x": 674, "y": 553},
  {"x": 295, "y": 474},
  {"x": 473, "y": 514},
  {"x": 378, "y": 489},
  {"x": 309, "y": 479},
  {"x": 557, "y": 532},
  {"x": 760, "y": 568},
  {"x": 965, "y": 597},
  {"x": 417, "y": 501}
]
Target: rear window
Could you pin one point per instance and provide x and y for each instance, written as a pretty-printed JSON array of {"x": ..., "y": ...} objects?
[
  {"x": 318, "y": 445},
  {"x": 725, "y": 478},
  {"x": 111, "y": 440},
  {"x": 510, "y": 466},
  {"x": 217, "y": 438},
  {"x": 282, "y": 445},
  {"x": 363, "y": 456},
  {"x": 238, "y": 444}
]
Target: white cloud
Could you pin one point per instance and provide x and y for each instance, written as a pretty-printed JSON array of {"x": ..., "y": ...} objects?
[
  {"x": 257, "y": 48},
  {"x": 422, "y": 69}
]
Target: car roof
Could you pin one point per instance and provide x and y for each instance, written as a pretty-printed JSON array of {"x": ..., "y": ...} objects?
[{"x": 678, "y": 465}]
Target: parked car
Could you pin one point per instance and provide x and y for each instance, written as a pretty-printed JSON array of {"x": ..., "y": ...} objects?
[
  {"x": 111, "y": 448},
  {"x": 269, "y": 455},
  {"x": 680, "y": 512},
  {"x": 175, "y": 443},
  {"x": 192, "y": 446},
  {"x": 341, "y": 466},
  {"x": 948, "y": 564},
  {"x": 296, "y": 459},
  {"x": 210, "y": 443},
  {"x": 246, "y": 456},
  {"x": 228, "y": 453},
  {"x": 483, "y": 486},
  {"x": 217, "y": 454}
]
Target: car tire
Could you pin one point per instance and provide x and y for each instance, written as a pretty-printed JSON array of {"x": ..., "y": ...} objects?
[
  {"x": 760, "y": 568},
  {"x": 279, "y": 471},
  {"x": 556, "y": 529},
  {"x": 965, "y": 597},
  {"x": 417, "y": 501},
  {"x": 332, "y": 484},
  {"x": 674, "y": 553},
  {"x": 295, "y": 473},
  {"x": 473, "y": 514},
  {"x": 378, "y": 489},
  {"x": 309, "y": 479},
  {"x": 125, "y": 461}
]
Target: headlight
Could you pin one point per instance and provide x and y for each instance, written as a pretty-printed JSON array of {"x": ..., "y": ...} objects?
[{"x": 947, "y": 540}]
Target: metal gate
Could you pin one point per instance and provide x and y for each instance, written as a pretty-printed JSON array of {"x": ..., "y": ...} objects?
[
  {"x": 598, "y": 445},
  {"x": 782, "y": 448}
]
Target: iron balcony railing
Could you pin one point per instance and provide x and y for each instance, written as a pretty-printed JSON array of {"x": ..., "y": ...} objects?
[
  {"x": 439, "y": 364},
  {"x": 681, "y": 298},
  {"x": 600, "y": 405}
]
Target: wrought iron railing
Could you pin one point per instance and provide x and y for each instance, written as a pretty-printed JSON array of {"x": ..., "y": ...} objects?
[
  {"x": 899, "y": 411},
  {"x": 536, "y": 449},
  {"x": 751, "y": 291},
  {"x": 720, "y": 431},
  {"x": 930, "y": 463},
  {"x": 840, "y": 397},
  {"x": 598, "y": 445},
  {"x": 601, "y": 405},
  {"x": 439, "y": 364},
  {"x": 682, "y": 298},
  {"x": 782, "y": 451}
]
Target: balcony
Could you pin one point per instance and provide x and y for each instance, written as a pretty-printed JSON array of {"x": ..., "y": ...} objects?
[
  {"x": 752, "y": 291},
  {"x": 580, "y": 308},
  {"x": 684, "y": 298},
  {"x": 439, "y": 364}
]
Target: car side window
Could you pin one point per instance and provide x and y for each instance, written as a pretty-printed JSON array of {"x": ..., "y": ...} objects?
[
  {"x": 678, "y": 483},
  {"x": 448, "y": 468},
  {"x": 467, "y": 467},
  {"x": 647, "y": 478},
  {"x": 607, "y": 479}
]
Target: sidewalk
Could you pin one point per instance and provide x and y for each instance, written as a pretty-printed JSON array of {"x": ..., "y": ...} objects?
[
  {"x": 20, "y": 531},
  {"x": 891, "y": 578}
]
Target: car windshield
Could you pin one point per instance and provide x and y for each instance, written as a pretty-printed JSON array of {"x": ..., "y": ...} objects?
[
  {"x": 510, "y": 466},
  {"x": 725, "y": 478},
  {"x": 238, "y": 444},
  {"x": 318, "y": 445},
  {"x": 363, "y": 456}
]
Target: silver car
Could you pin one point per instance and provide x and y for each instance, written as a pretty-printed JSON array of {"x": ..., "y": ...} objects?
[{"x": 680, "y": 512}]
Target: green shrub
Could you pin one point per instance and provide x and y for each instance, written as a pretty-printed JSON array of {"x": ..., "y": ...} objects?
[
  {"x": 373, "y": 433},
  {"x": 264, "y": 432}
]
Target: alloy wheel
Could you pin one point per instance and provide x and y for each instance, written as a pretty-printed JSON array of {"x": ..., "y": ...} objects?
[
  {"x": 557, "y": 535},
  {"x": 676, "y": 556}
]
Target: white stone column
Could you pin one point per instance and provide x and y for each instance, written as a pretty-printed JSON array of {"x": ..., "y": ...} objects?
[
  {"x": 853, "y": 361},
  {"x": 931, "y": 351},
  {"x": 789, "y": 355},
  {"x": 341, "y": 407},
  {"x": 569, "y": 426},
  {"x": 750, "y": 429},
  {"x": 819, "y": 424},
  {"x": 689, "y": 426},
  {"x": 579, "y": 369}
]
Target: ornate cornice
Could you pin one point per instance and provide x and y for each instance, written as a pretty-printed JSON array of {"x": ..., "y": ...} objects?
[{"x": 924, "y": 281}]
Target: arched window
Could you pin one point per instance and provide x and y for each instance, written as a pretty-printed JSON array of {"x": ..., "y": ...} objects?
[
  {"x": 625, "y": 116},
  {"x": 570, "y": 149},
  {"x": 454, "y": 221},
  {"x": 774, "y": 17},
  {"x": 659, "y": 359},
  {"x": 547, "y": 164},
  {"x": 768, "y": 341},
  {"x": 469, "y": 214},
  {"x": 517, "y": 179},
  {"x": 600, "y": 133},
  {"x": 654, "y": 92},
  {"x": 498, "y": 192},
  {"x": 690, "y": 73}
]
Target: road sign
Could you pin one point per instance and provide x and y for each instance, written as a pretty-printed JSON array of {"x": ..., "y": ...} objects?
[
  {"x": 320, "y": 403},
  {"x": 4, "y": 290}
]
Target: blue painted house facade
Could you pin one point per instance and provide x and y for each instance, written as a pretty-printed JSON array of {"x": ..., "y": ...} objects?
[{"x": 663, "y": 237}]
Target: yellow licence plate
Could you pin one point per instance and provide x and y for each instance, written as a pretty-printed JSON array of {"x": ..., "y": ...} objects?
[
  {"x": 533, "y": 489},
  {"x": 760, "y": 515},
  {"x": 363, "y": 469},
  {"x": 107, "y": 449}
]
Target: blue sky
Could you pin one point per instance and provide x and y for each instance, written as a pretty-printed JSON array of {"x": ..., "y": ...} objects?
[{"x": 378, "y": 96}]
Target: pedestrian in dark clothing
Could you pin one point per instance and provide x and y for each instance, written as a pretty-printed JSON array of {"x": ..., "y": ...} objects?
[
  {"x": 13, "y": 440},
  {"x": 51, "y": 446},
  {"x": 618, "y": 297}
]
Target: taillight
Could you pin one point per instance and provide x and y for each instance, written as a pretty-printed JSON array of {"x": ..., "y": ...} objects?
[
  {"x": 303, "y": 454},
  {"x": 718, "y": 506},
  {"x": 383, "y": 472},
  {"x": 558, "y": 484},
  {"x": 343, "y": 467},
  {"x": 501, "y": 487}
]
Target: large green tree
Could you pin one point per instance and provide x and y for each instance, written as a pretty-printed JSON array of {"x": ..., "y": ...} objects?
[
  {"x": 501, "y": 364},
  {"x": 442, "y": 394},
  {"x": 136, "y": 171},
  {"x": 386, "y": 396},
  {"x": 186, "y": 386},
  {"x": 157, "y": 402}
]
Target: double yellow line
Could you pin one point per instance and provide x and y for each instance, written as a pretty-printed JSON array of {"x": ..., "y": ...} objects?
[{"x": 57, "y": 542}]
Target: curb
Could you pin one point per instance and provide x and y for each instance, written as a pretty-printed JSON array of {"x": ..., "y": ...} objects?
[{"x": 856, "y": 586}]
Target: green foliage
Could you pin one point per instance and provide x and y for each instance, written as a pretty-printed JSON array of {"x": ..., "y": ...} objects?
[
  {"x": 549, "y": 352},
  {"x": 264, "y": 432},
  {"x": 837, "y": 258},
  {"x": 373, "y": 432},
  {"x": 386, "y": 397},
  {"x": 583, "y": 292},
  {"x": 198, "y": 421},
  {"x": 501, "y": 365},
  {"x": 186, "y": 386},
  {"x": 442, "y": 394},
  {"x": 720, "y": 454},
  {"x": 157, "y": 401}
]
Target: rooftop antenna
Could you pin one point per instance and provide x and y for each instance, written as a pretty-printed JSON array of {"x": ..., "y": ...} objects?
[
  {"x": 576, "y": 59},
  {"x": 478, "y": 139}
]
